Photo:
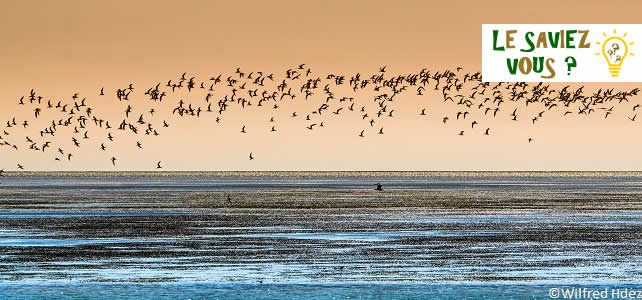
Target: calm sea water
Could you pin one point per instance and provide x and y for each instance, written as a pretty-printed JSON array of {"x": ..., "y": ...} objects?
[{"x": 318, "y": 235}]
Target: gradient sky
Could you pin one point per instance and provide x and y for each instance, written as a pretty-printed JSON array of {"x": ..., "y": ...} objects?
[{"x": 63, "y": 47}]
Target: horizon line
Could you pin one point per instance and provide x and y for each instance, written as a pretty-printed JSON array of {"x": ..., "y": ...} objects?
[{"x": 320, "y": 171}]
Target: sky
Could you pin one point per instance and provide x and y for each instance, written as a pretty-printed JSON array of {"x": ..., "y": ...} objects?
[{"x": 63, "y": 47}]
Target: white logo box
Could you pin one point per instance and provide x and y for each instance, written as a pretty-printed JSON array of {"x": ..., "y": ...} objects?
[{"x": 602, "y": 52}]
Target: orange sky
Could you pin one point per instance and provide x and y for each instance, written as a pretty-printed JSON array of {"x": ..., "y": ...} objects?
[{"x": 63, "y": 47}]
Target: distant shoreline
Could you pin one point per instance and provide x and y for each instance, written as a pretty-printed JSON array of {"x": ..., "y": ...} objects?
[{"x": 326, "y": 173}]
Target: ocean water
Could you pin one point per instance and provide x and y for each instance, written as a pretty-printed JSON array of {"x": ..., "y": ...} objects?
[{"x": 328, "y": 235}]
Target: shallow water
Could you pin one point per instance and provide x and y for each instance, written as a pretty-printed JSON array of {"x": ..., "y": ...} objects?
[
  {"x": 292, "y": 291},
  {"x": 318, "y": 235}
]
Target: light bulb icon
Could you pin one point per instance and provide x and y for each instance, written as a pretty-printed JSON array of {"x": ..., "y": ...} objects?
[{"x": 615, "y": 49}]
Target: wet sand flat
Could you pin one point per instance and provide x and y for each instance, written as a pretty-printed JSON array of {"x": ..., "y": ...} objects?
[{"x": 535, "y": 230}]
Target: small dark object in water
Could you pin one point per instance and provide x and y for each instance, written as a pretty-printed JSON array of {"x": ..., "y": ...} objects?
[
  {"x": 229, "y": 198},
  {"x": 379, "y": 187}
]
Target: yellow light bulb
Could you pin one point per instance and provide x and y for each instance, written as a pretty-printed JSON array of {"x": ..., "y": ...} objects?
[{"x": 614, "y": 50}]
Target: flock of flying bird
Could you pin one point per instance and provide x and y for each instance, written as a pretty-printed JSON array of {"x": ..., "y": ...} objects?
[{"x": 368, "y": 99}]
